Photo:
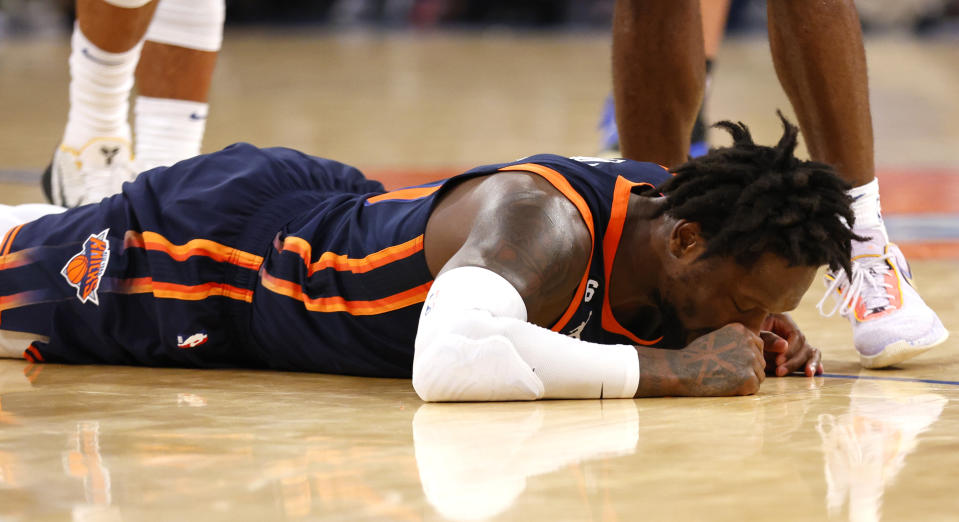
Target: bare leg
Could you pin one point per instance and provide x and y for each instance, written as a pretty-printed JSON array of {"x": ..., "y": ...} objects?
[
  {"x": 111, "y": 28},
  {"x": 658, "y": 77},
  {"x": 714, "y": 14},
  {"x": 169, "y": 71},
  {"x": 173, "y": 79},
  {"x": 819, "y": 56}
]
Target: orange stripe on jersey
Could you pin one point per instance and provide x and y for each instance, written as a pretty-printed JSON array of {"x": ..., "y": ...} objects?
[
  {"x": 15, "y": 259},
  {"x": 614, "y": 231},
  {"x": 405, "y": 194},
  {"x": 338, "y": 304},
  {"x": 8, "y": 239},
  {"x": 32, "y": 350},
  {"x": 198, "y": 292},
  {"x": 196, "y": 247},
  {"x": 341, "y": 262},
  {"x": 20, "y": 299},
  {"x": 137, "y": 285},
  {"x": 562, "y": 184},
  {"x": 146, "y": 285}
]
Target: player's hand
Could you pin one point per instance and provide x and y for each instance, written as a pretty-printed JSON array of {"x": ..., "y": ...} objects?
[
  {"x": 724, "y": 362},
  {"x": 786, "y": 350}
]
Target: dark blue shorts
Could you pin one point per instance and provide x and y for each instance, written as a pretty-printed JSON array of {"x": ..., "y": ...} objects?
[{"x": 164, "y": 273}]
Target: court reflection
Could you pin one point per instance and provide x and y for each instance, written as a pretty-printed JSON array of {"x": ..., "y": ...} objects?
[
  {"x": 474, "y": 460},
  {"x": 865, "y": 448},
  {"x": 112, "y": 443},
  {"x": 84, "y": 461},
  {"x": 146, "y": 444}
]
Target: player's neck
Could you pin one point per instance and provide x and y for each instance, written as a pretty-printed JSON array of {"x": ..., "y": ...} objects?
[{"x": 637, "y": 266}]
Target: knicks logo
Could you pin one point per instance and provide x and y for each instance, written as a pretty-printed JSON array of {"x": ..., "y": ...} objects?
[{"x": 84, "y": 270}]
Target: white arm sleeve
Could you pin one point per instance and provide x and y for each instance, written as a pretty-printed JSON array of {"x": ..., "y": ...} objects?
[{"x": 474, "y": 344}]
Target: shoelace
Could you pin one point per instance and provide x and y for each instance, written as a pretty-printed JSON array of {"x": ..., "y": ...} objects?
[{"x": 868, "y": 282}]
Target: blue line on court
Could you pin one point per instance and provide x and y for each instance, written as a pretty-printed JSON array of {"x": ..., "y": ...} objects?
[{"x": 877, "y": 378}]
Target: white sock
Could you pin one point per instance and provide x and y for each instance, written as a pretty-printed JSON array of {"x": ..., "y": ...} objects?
[
  {"x": 167, "y": 130},
  {"x": 868, "y": 213},
  {"x": 100, "y": 84}
]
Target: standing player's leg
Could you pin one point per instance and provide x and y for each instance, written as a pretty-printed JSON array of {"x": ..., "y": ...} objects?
[
  {"x": 658, "y": 77},
  {"x": 94, "y": 156},
  {"x": 173, "y": 80},
  {"x": 714, "y": 14},
  {"x": 819, "y": 56}
]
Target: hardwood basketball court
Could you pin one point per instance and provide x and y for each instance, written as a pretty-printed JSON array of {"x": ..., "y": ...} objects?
[{"x": 120, "y": 443}]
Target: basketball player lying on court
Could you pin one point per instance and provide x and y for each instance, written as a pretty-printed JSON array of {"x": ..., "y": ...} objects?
[{"x": 547, "y": 277}]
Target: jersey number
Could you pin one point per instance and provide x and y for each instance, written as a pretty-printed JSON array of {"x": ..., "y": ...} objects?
[{"x": 591, "y": 287}]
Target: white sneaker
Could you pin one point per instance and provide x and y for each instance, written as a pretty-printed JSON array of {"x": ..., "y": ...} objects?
[
  {"x": 97, "y": 170},
  {"x": 890, "y": 322}
]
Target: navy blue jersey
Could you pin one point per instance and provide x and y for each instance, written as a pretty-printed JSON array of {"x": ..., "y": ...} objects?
[
  {"x": 270, "y": 258},
  {"x": 600, "y": 189}
]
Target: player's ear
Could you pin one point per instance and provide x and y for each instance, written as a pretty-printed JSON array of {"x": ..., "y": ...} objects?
[{"x": 686, "y": 240}]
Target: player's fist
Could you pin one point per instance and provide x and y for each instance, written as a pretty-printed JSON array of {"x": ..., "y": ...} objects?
[{"x": 728, "y": 361}]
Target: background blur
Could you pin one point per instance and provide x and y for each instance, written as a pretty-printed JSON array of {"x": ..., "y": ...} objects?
[
  {"x": 412, "y": 90},
  {"x": 920, "y": 17},
  {"x": 447, "y": 84}
]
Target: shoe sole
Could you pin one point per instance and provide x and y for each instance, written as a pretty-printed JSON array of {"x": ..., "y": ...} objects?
[{"x": 897, "y": 352}]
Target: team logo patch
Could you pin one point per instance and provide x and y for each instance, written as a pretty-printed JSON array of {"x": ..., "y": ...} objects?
[
  {"x": 192, "y": 341},
  {"x": 84, "y": 270}
]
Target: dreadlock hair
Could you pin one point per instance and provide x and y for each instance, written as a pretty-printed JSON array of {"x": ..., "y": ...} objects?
[{"x": 749, "y": 199}]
